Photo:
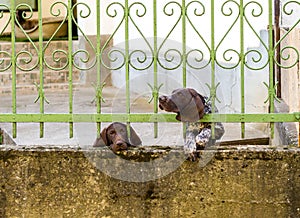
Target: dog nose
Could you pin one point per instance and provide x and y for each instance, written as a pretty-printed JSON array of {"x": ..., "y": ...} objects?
[
  {"x": 119, "y": 143},
  {"x": 162, "y": 98}
]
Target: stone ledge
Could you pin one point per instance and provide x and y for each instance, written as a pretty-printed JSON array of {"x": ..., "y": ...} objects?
[{"x": 239, "y": 181}]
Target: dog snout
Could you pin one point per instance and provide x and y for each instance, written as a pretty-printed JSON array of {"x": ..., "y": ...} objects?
[
  {"x": 120, "y": 143},
  {"x": 162, "y": 101},
  {"x": 119, "y": 146},
  {"x": 162, "y": 98}
]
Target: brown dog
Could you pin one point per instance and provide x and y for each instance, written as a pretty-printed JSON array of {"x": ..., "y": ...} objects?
[
  {"x": 187, "y": 103},
  {"x": 190, "y": 107},
  {"x": 116, "y": 137}
]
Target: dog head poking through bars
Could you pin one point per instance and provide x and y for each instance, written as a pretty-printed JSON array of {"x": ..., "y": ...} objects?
[
  {"x": 117, "y": 138},
  {"x": 187, "y": 103}
]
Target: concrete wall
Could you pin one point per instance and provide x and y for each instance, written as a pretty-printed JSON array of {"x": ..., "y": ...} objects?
[
  {"x": 291, "y": 77},
  {"x": 288, "y": 133},
  {"x": 237, "y": 182}
]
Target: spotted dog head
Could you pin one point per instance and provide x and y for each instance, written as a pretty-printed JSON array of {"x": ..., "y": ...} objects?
[{"x": 186, "y": 102}]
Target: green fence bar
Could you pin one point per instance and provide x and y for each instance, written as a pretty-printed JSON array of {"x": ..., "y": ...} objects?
[
  {"x": 70, "y": 57},
  {"x": 146, "y": 117},
  {"x": 98, "y": 66},
  {"x": 183, "y": 42},
  {"x": 41, "y": 66},
  {"x": 155, "y": 91},
  {"x": 242, "y": 64},
  {"x": 271, "y": 65},
  {"x": 127, "y": 61},
  {"x": 13, "y": 66},
  {"x": 184, "y": 53},
  {"x": 213, "y": 65}
]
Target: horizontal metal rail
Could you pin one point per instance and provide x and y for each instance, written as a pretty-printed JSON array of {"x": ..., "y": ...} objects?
[{"x": 147, "y": 117}]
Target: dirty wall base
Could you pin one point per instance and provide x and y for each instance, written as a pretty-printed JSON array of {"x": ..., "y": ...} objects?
[{"x": 239, "y": 181}]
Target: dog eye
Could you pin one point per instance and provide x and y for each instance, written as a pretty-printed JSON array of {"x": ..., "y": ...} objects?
[{"x": 112, "y": 132}]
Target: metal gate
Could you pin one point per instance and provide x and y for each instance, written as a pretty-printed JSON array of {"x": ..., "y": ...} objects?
[{"x": 183, "y": 14}]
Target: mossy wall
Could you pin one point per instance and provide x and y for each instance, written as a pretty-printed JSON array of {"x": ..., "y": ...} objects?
[{"x": 237, "y": 182}]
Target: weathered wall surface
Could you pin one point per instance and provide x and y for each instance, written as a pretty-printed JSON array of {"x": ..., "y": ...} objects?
[{"x": 238, "y": 182}]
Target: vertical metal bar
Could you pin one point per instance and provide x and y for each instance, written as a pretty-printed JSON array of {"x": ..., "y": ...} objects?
[
  {"x": 127, "y": 74},
  {"x": 70, "y": 57},
  {"x": 155, "y": 85},
  {"x": 41, "y": 66},
  {"x": 184, "y": 61},
  {"x": 98, "y": 56},
  {"x": 213, "y": 59},
  {"x": 242, "y": 59},
  {"x": 13, "y": 67},
  {"x": 183, "y": 12},
  {"x": 271, "y": 65}
]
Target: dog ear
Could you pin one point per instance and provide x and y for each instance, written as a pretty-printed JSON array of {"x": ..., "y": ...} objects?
[
  {"x": 134, "y": 138},
  {"x": 178, "y": 117},
  {"x": 193, "y": 92},
  {"x": 101, "y": 141},
  {"x": 199, "y": 101}
]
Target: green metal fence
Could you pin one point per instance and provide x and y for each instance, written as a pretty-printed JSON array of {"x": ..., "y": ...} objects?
[{"x": 126, "y": 12}]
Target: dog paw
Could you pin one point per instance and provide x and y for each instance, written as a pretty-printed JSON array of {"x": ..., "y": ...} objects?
[
  {"x": 201, "y": 141},
  {"x": 190, "y": 148},
  {"x": 192, "y": 156},
  {"x": 190, "y": 145}
]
